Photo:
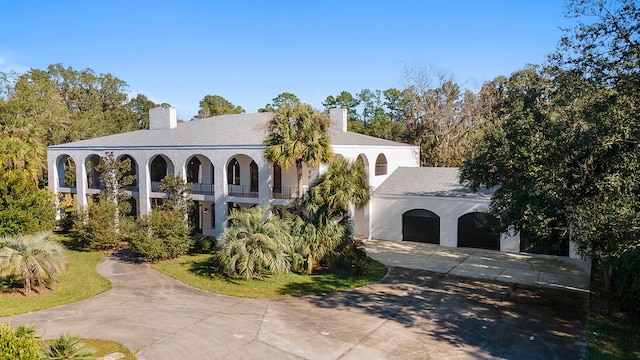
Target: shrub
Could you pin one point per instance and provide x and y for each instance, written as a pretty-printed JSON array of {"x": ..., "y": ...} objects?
[
  {"x": 34, "y": 258},
  {"x": 95, "y": 229},
  {"x": 20, "y": 344},
  {"x": 204, "y": 245},
  {"x": 161, "y": 235},
  {"x": 256, "y": 243},
  {"x": 625, "y": 280},
  {"x": 67, "y": 347}
]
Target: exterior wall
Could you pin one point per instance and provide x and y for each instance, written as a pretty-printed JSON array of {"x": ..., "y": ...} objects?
[
  {"x": 397, "y": 156},
  {"x": 386, "y": 217}
]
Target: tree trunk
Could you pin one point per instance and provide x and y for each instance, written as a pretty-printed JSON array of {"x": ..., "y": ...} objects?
[
  {"x": 300, "y": 190},
  {"x": 309, "y": 264}
]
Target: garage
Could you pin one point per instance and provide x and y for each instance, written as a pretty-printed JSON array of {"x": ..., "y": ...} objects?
[
  {"x": 421, "y": 225},
  {"x": 475, "y": 230}
]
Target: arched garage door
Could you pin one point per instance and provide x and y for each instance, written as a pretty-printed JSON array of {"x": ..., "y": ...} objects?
[
  {"x": 421, "y": 225},
  {"x": 475, "y": 230}
]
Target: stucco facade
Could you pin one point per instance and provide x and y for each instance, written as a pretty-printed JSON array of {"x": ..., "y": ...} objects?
[{"x": 221, "y": 156}]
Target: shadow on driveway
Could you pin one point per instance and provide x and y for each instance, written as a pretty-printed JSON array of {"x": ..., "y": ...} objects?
[{"x": 476, "y": 318}]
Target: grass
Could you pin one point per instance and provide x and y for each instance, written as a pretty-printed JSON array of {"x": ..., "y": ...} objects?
[
  {"x": 612, "y": 332},
  {"x": 104, "y": 347},
  {"x": 195, "y": 270},
  {"x": 78, "y": 282}
]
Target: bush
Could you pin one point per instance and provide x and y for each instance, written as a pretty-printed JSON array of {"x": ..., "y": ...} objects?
[
  {"x": 95, "y": 230},
  {"x": 256, "y": 243},
  {"x": 204, "y": 245},
  {"x": 161, "y": 235},
  {"x": 625, "y": 280},
  {"x": 26, "y": 211},
  {"x": 20, "y": 344},
  {"x": 67, "y": 347}
]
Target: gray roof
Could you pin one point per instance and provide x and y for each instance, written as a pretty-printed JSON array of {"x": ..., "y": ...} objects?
[
  {"x": 428, "y": 181},
  {"x": 237, "y": 130}
]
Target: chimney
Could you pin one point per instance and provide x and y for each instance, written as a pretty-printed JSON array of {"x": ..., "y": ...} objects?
[
  {"x": 338, "y": 119},
  {"x": 162, "y": 118}
]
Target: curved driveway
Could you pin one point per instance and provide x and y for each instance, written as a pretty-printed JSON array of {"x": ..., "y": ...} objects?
[{"x": 411, "y": 314}]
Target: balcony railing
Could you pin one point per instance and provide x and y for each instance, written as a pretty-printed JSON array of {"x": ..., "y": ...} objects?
[
  {"x": 284, "y": 192},
  {"x": 242, "y": 190},
  {"x": 204, "y": 189}
]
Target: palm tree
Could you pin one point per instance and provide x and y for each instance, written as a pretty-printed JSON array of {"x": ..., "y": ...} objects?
[
  {"x": 297, "y": 135},
  {"x": 255, "y": 241},
  {"x": 33, "y": 257},
  {"x": 331, "y": 194},
  {"x": 324, "y": 225}
]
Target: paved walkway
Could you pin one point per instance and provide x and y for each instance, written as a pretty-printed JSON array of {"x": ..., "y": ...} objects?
[
  {"x": 411, "y": 314},
  {"x": 525, "y": 269}
]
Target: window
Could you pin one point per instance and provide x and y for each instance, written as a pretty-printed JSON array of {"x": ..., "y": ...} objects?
[
  {"x": 253, "y": 168},
  {"x": 277, "y": 179},
  {"x": 193, "y": 171},
  {"x": 381, "y": 165},
  {"x": 233, "y": 172}
]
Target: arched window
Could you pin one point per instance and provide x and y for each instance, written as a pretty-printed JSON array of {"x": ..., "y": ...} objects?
[
  {"x": 158, "y": 168},
  {"x": 381, "y": 165},
  {"x": 253, "y": 169},
  {"x": 194, "y": 175},
  {"x": 277, "y": 179},
  {"x": 421, "y": 225},
  {"x": 233, "y": 172}
]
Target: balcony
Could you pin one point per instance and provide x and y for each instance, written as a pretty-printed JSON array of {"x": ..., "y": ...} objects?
[
  {"x": 284, "y": 192},
  {"x": 242, "y": 191},
  {"x": 203, "y": 189}
]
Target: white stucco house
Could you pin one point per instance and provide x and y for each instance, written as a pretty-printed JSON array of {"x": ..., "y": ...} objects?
[{"x": 222, "y": 158}]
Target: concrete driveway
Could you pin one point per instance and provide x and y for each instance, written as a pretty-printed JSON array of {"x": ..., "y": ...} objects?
[{"x": 411, "y": 314}]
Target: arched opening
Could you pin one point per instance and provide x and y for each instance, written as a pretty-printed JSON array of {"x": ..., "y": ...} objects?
[
  {"x": 194, "y": 171},
  {"x": 242, "y": 176},
  {"x": 133, "y": 171},
  {"x": 421, "y": 225},
  {"x": 233, "y": 172},
  {"x": 381, "y": 165},
  {"x": 277, "y": 181},
  {"x": 160, "y": 167},
  {"x": 94, "y": 179},
  {"x": 253, "y": 169},
  {"x": 477, "y": 230},
  {"x": 200, "y": 175},
  {"x": 362, "y": 158},
  {"x": 66, "y": 168}
]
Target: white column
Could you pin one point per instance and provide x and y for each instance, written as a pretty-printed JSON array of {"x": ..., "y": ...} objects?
[
  {"x": 144, "y": 185},
  {"x": 510, "y": 241},
  {"x": 81, "y": 183},
  {"x": 220, "y": 205},
  {"x": 448, "y": 231}
]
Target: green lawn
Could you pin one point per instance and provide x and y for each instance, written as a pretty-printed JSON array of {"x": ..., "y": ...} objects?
[
  {"x": 79, "y": 281},
  {"x": 195, "y": 271},
  {"x": 611, "y": 332}
]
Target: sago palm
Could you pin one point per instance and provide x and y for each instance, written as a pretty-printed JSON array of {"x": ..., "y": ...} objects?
[
  {"x": 34, "y": 258},
  {"x": 255, "y": 242},
  {"x": 298, "y": 134}
]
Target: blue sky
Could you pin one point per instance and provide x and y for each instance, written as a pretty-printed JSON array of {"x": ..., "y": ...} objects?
[{"x": 250, "y": 51}]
